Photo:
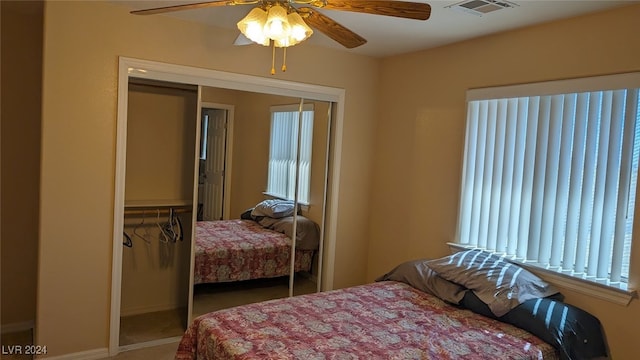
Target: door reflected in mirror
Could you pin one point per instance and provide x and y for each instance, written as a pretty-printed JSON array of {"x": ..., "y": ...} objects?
[
  {"x": 213, "y": 153},
  {"x": 250, "y": 144}
]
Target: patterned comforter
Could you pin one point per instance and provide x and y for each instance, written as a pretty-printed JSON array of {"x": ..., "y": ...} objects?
[
  {"x": 383, "y": 320},
  {"x": 233, "y": 250}
]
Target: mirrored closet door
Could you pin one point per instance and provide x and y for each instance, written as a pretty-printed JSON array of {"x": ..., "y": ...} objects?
[
  {"x": 204, "y": 154},
  {"x": 245, "y": 255},
  {"x": 156, "y": 256}
]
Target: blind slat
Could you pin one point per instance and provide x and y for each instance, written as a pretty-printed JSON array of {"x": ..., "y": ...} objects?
[
  {"x": 589, "y": 175},
  {"x": 509, "y": 150},
  {"x": 564, "y": 175},
  {"x": 527, "y": 183},
  {"x": 540, "y": 169},
  {"x": 554, "y": 113},
  {"x": 576, "y": 181},
  {"x": 600, "y": 185}
]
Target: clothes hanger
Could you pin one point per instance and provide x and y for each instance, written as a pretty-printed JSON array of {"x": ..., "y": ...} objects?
[
  {"x": 168, "y": 227},
  {"x": 180, "y": 230},
  {"x": 162, "y": 235},
  {"x": 127, "y": 240},
  {"x": 175, "y": 226},
  {"x": 144, "y": 237}
]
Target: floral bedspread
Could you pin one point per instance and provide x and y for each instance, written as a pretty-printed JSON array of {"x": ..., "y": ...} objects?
[
  {"x": 233, "y": 250},
  {"x": 384, "y": 320}
]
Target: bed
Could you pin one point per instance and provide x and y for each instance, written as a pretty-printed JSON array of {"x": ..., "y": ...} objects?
[
  {"x": 384, "y": 320},
  {"x": 412, "y": 312},
  {"x": 256, "y": 246},
  {"x": 239, "y": 249}
]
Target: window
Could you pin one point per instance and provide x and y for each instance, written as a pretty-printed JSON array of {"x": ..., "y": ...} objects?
[
  {"x": 549, "y": 175},
  {"x": 204, "y": 134},
  {"x": 283, "y": 151}
]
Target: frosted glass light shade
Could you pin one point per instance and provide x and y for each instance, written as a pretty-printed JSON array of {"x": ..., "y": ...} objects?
[
  {"x": 277, "y": 27},
  {"x": 252, "y": 26},
  {"x": 300, "y": 31}
]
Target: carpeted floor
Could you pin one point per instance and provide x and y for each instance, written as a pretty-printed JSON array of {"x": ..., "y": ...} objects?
[
  {"x": 212, "y": 297},
  {"x": 207, "y": 298},
  {"x": 152, "y": 326}
]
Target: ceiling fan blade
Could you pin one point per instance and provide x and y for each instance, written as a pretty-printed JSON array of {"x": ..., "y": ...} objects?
[
  {"x": 332, "y": 29},
  {"x": 403, "y": 9},
  {"x": 166, "y": 9},
  {"x": 242, "y": 40}
]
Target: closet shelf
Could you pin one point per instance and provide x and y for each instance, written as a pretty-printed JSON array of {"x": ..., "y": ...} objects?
[
  {"x": 141, "y": 207},
  {"x": 168, "y": 203}
]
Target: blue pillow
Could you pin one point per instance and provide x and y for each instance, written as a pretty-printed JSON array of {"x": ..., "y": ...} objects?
[{"x": 575, "y": 333}]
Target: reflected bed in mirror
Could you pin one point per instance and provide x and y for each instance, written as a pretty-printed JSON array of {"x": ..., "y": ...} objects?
[{"x": 246, "y": 260}]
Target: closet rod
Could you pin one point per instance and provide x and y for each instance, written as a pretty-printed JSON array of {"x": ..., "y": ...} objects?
[{"x": 155, "y": 210}]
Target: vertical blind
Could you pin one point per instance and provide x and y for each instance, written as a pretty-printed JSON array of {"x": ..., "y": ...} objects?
[
  {"x": 550, "y": 180},
  {"x": 283, "y": 154}
]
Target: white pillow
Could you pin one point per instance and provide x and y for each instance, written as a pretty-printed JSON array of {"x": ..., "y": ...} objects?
[{"x": 273, "y": 208}]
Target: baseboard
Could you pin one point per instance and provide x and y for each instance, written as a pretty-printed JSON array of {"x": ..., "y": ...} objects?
[
  {"x": 149, "y": 309},
  {"x": 17, "y": 327},
  {"x": 83, "y": 355}
]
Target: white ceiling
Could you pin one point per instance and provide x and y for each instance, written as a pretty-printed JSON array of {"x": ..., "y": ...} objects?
[{"x": 391, "y": 36}]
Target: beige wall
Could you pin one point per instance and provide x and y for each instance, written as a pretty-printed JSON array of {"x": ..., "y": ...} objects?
[
  {"x": 421, "y": 132},
  {"x": 81, "y": 47},
  {"x": 21, "y": 98},
  {"x": 161, "y": 143}
]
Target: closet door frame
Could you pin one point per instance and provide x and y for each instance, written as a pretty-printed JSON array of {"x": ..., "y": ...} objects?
[{"x": 131, "y": 67}]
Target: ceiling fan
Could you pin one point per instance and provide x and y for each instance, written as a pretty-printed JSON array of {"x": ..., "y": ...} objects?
[{"x": 288, "y": 22}]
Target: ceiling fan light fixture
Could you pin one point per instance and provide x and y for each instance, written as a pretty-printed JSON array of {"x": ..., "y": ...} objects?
[
  {"x": 252, "y": 26},
  {"x": 277, "y": 27},
  {"x": 300, "y": 31},
  {"x": 270, "y": 19}
]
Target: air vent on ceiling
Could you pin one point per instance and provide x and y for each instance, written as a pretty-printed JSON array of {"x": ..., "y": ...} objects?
[{"x": 481, "y": 7}]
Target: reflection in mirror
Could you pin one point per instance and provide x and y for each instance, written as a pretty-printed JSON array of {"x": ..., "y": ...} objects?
[
  {"x": 248, "y": 151},
  {"x": 159, "y": 180}
]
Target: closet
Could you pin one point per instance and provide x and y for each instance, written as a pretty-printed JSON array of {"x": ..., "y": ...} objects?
[
  {"x": 161, "y": 135},
  {"x": 157, "y": 180}
]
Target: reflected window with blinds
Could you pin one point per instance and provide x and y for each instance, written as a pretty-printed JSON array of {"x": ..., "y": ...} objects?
[
  {"x": 290, "y": 131},
  {"x": 550, "y": 172}
]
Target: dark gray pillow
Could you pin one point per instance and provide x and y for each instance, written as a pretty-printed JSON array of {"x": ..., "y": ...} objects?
[
  {"x": 499, "y": 283},
  {"x": 307, "y": 231},
  {"x": 575, "y": 333},
  {"x": 417, "y": 274}
]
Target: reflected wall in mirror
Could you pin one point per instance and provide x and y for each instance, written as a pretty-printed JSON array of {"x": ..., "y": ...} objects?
[{"x": 256, "y": 262}]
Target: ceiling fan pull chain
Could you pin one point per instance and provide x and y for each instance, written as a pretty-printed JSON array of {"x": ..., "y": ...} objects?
[
  {"x": 273, "y": 59},
  {"x": 284, "y": 59}
]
